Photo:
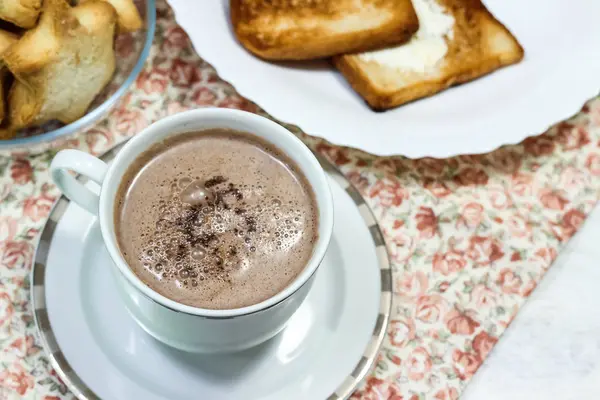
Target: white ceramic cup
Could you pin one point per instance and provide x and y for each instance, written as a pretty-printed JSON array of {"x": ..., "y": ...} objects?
[{"x": 182, "y": 326}]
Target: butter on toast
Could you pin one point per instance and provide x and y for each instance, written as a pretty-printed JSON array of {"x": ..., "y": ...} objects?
[
  {"x": 23, "y": 13},
  {"x": 61, "y": 64},
  {"x": 309, "y": 29},
  {"x": 458, "y": 41}
]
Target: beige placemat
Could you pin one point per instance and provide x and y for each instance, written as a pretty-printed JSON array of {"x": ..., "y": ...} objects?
[{"x": 470, "y": 237}]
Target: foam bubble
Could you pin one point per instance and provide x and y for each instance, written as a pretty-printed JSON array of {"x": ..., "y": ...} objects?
[
  {"x": 198, "y": 253},
  {"x": 196, "y": 193},
  {"x": 162, "y": 224}
]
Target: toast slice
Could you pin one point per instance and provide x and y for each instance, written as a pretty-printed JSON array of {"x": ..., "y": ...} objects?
[
  {"x": 129, "y": 19},
  {"x": 62, "y": 64},
  {"x": 458, "y": 41},
  {"x": 23, "y": 13},
  {"x": 309, "y": 29}
]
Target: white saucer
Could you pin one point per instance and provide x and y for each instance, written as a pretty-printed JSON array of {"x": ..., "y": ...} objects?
[{"x": 99, "y": 351}]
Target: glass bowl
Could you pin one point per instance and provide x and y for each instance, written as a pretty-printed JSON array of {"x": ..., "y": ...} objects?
[{"x": 132, "y": 50}]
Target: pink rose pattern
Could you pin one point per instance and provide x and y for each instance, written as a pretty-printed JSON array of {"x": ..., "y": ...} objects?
[{"x": 470, "y": 237}]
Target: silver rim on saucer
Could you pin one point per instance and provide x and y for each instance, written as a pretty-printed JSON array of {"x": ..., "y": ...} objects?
[{"x": 80, "y": 389}]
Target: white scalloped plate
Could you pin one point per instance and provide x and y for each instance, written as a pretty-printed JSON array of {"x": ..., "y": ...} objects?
[{"x": 560, "y": 72}]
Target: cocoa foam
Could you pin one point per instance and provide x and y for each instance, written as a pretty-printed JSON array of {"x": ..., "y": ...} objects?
[{"x": 216, "y": 219}]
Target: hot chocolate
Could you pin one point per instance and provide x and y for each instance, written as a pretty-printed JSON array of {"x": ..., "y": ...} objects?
[{"x": 216, "y": 219}]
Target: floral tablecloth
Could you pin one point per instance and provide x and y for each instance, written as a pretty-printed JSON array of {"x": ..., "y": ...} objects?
[{"x": 470, "y": 237}]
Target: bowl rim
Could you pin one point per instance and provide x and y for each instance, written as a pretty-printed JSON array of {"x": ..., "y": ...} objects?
[{"x": 90, "y": 117}]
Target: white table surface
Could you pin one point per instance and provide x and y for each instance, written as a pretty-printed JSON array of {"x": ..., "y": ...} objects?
[{"x": 552, "y": 348}]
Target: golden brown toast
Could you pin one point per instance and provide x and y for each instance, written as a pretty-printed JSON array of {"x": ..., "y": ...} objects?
[
  {"x": 309, "y": 29},
  {"x": 61, "y": 64},
  {"x": 23, "y": 13},
  {"x": 474, "y": 44}
]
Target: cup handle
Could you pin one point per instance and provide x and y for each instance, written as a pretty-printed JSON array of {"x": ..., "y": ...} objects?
[{"x": 84, "y": 164}]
